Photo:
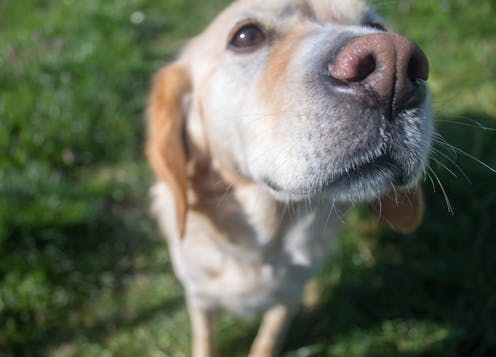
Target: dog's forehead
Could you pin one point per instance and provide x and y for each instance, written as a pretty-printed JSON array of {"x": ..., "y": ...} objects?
[{"x": 341, "y": 11}]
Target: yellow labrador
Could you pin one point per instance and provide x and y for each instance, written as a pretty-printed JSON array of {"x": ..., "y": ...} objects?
[{"x": 266, "y": 129}]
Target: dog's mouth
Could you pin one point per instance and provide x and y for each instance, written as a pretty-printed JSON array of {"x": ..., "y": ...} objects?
[
  {"x": 360, "y": 180},
  {"x": 366, "y": 180},
  {"x": 367, "y": 169}
]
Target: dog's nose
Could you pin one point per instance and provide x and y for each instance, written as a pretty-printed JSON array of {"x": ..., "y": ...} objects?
[{"x": 388, "y": 66}]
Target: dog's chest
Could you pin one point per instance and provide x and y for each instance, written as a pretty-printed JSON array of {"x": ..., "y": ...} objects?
[{"x": 249, "y": 260}]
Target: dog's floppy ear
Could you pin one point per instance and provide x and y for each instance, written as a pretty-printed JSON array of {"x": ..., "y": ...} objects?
[
  {"x": 165, "y": 147},
  {"x": 403, "y": 211}
]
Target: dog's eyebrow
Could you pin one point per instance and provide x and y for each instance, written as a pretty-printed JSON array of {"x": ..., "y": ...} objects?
[
  {"x": 301, "y": 8},
  {"x": 272, "y": 11}
]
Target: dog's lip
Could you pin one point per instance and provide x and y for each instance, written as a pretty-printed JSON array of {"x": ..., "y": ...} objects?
[
  {"x": 359, "y": 170},
  {"x": 383, "y": 164}
]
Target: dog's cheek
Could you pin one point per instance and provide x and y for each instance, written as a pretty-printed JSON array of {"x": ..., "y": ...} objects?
[{"x": 233, "y": 122}]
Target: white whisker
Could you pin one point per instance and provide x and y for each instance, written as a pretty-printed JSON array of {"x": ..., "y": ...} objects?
[
  {"x": 475, "y": 124},
  {"x": 440, "y": 140},
  {"x": 429, "y": 176},
  {"x": 444, "y": 166},
  {"x": 448, "y": 202},
  {"x": 445, "y": 156}
]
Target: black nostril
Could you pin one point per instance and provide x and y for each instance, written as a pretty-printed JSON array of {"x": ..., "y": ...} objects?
[
  {"x": 365, "y": 68},
  {"x": 418, "y": 67},
  {"x": 410, "y": 90},
  {"x": 412, "y": 71}
]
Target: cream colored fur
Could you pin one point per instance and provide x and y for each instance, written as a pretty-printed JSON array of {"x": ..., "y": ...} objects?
[{"x": 236, "y": 243}]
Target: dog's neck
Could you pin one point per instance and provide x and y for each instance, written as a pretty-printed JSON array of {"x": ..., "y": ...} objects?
[
  {"x": 242, "y": 213},
  {"x": 236, "y": 207}
]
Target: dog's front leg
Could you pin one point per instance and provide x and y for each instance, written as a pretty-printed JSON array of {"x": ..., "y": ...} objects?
[
  {"x": 203, "y": 330},
  {"x": 272, "y": 331}
]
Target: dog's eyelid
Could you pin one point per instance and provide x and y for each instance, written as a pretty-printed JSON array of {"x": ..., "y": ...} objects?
[{"x": 376, "y": 25}]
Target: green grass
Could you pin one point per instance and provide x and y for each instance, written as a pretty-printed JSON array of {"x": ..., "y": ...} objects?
[{"x": 83, "y": 270}]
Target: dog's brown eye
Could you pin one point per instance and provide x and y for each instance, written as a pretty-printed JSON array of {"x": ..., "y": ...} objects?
[
  {"x": 376, "y": 26},
  {"x": 247, "y": 38}
]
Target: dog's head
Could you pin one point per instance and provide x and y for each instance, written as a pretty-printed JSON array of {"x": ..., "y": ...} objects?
[{"x": 302, "y": 97}]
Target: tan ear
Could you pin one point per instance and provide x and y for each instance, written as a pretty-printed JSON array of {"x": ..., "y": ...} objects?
[
  {"x": 165, "y": 148},
  {"x": 403, "y": 211}
]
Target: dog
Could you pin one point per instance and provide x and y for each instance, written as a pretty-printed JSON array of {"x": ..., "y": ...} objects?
[{"x": 266, "y": 129}]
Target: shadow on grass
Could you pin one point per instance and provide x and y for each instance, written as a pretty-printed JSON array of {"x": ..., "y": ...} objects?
[
  {"x": 84, "y": 272},
  {"x": 439, "y": 278},
  {"x": 102, "y": 329}
]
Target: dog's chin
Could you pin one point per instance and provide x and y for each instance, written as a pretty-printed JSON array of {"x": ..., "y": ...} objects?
[{"x": 361, "y": 184}]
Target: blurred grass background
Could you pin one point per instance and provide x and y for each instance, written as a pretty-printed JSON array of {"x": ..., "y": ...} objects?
[{"x": 83, "y": 270}]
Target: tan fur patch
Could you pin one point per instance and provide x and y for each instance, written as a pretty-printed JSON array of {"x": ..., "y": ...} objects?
[
  {"x": 164, "y": 145},
  {"x": 276, "y": 69}
]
